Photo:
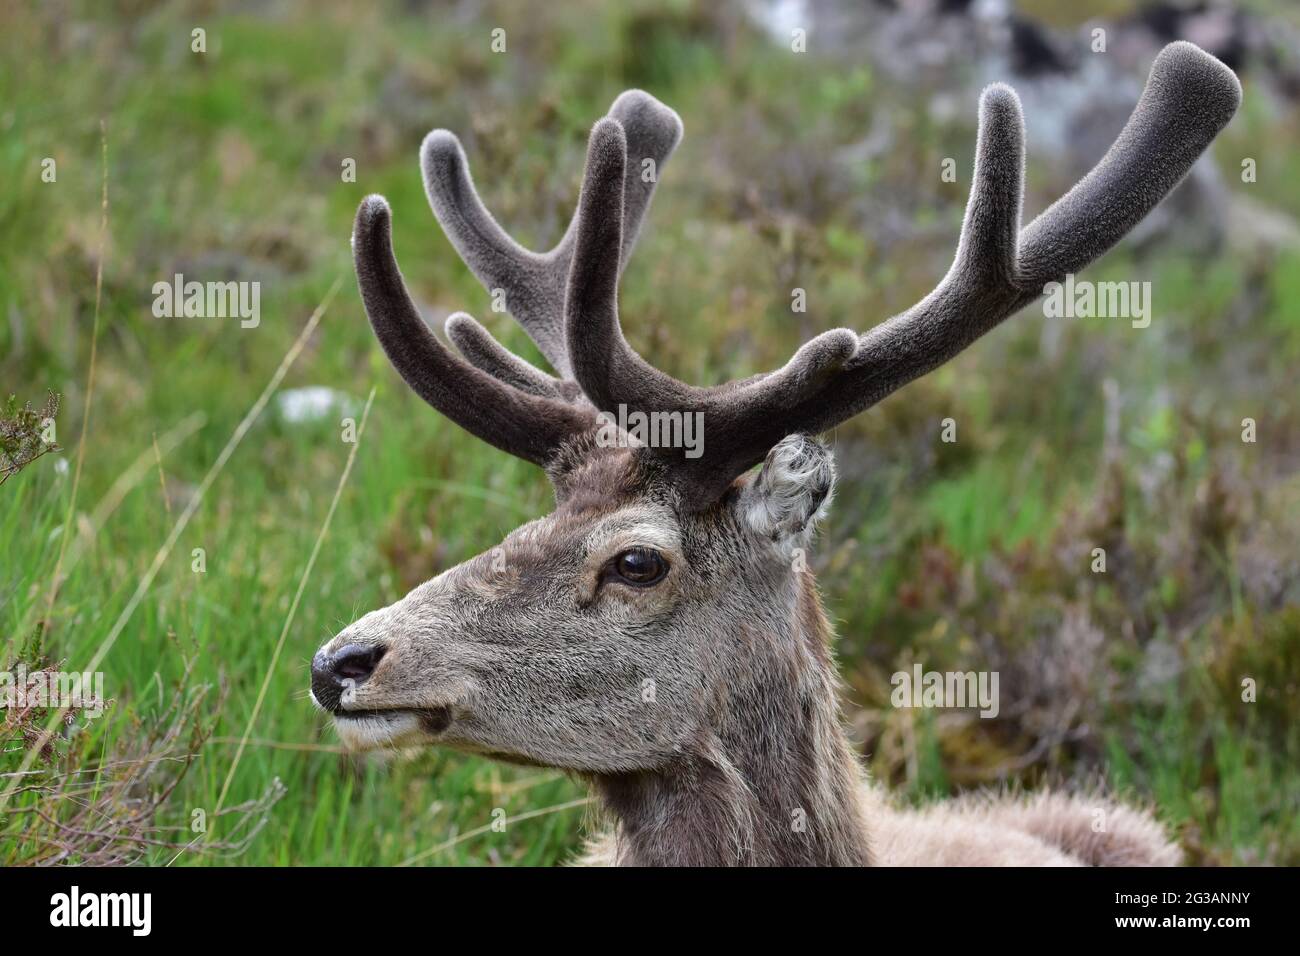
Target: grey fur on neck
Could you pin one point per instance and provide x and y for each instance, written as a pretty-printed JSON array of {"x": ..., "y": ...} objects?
[{"x": 776, "y": 784}]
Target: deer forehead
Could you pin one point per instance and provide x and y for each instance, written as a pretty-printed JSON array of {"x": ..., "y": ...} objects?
[{"x": 643, "y": 525}]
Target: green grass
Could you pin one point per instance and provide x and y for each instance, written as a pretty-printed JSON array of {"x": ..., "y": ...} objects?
[
  {"x": 964, "y": 555},
  {"x": 256, "y": 535}
]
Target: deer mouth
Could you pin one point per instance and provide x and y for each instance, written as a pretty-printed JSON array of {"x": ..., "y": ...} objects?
[{"x": 432, "y": 720}]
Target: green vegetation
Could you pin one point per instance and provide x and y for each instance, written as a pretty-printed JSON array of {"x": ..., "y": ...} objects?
[{"x": 968, "y": 555}]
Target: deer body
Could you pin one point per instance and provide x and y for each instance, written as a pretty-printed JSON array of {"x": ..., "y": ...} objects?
[{"x": 659, "y": 633}]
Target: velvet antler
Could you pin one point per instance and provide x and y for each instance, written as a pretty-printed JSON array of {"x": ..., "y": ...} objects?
[
  {"x": 495, "y": 394},
  {"x": 534, "y": 282},
  {"x": 998, "y": 269}
]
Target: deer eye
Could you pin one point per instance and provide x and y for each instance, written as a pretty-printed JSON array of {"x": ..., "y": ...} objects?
[{"x": 640, "y": 567}]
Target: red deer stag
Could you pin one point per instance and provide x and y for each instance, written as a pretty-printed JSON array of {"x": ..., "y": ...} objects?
[{"x": 653, "y": 634}]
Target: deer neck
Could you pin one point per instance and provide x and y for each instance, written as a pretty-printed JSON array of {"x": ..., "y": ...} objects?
[{"x": 773, "y": 781}]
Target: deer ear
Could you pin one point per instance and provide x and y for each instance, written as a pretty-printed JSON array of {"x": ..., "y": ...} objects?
[{"x": 783, "y": 503}]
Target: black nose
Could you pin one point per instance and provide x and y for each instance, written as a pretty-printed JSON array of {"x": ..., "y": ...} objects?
[{"x": 349, "y": 666}]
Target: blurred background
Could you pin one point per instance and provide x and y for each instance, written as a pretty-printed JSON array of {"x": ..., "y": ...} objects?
[{"x": 820, "y": 170}]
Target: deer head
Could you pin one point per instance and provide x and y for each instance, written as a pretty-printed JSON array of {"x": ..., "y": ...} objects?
[{"x": 658, "y": 631}]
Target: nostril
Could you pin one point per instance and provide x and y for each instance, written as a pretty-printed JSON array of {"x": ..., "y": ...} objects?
[
  {"x": 349, "y": 666},
  {"x": 355, "y": 662}
]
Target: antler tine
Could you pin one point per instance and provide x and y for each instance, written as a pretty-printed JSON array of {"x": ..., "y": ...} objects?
[
  {"x": 515, "y": 419},
  {"x": 478, "y": 347},
  {"x": 984, "y": 276},
  {"x": 600, "y": 357},
  {"x": 612, "y": 373},
  {"x": 653, "y": 131},
  {"x": 997, "y": 270},
  {"x": 534, "y": 282},
  {"x": 1189, "y": 97}
]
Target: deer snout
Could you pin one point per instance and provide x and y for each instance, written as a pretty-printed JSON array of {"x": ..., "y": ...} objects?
[{"x": 348, "y": 666}]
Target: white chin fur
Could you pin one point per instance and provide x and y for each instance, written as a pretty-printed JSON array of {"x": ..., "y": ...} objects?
[{"x": 379, "y": 731}]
